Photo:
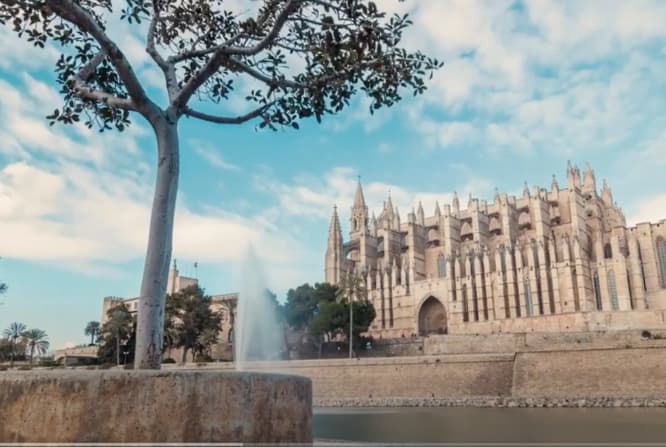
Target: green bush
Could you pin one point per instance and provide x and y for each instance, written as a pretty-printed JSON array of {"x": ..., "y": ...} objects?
[
  {"x": 106, "y": 366},
  {"x": 168, "y": 360},
  {"x": 203, "y": 358},
  {"x": 24, "y": 368},
  {"x": 48, "y": 363}
]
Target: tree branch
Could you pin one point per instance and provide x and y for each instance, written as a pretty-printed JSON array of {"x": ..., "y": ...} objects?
[
  {"x": 228, "y": 120},
  {"x": 84, "y": 91},
  {"x": 74, "y": 13},
  {"x": 167, "y": 67},
  {"x": 224, "y": 52}
]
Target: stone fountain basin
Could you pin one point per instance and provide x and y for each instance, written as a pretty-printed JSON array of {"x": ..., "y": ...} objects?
[{"x": 154, "y": 406}]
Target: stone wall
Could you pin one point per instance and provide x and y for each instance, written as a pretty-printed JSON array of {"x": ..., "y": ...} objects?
[
  {"x": 632, "y": 374},
  {"x": 540, "y": 341},
  {"x": 591, "y": 373}
]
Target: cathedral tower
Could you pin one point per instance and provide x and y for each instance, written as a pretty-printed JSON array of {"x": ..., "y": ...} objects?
[
  {"x": 334, "y": 252},
  {"x": 359, "y": 213}
]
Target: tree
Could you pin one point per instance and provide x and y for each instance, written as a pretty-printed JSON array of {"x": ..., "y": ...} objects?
[
  {"x": 117, "y": 334},
  {"x": 192, "y": 318},
  {"x": 303, "y": 303},
  {"x": 92, "y": 329},
  {"x": 14, "y": 333},
  {"x": 36, "y": 341},
  {"x": 302, "y": 58}
]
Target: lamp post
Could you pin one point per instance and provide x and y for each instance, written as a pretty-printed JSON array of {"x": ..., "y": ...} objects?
[{"x": 351, "y": 323}]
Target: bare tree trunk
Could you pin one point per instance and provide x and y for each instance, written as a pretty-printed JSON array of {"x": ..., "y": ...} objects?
[
  {"x": 150, "y": 324},
  {"x": 183, "y": 358}
]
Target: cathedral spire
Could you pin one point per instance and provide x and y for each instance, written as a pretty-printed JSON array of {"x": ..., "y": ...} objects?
[
  {"x": 334, "y": 229},
  {"x": 389, "y": 203},
  {"x": 526, "y": 190},
  {"x": 420, "y": 215},
  {"x": 359, "y": 200},
  {"x": 359, "y": 212},
  {"x": 554, "y": 187},
  {"x": 455, "y": 203},
  {"x": 589, "y": 182},
  {"x": 606, "y": 194},
  {"x": 438, "y": 212},
  {"x": 497, "y": 196},
  {"x": 334, "y": 254}
]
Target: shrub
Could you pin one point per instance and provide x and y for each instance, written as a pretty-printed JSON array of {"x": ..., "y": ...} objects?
[
  {"x": 48, "y": 363},
  {"x": 24, "y": 368},
  {"x": 106, "y": 366},
  {"x": 168, "y": 360},
  {"x": 3, "y": 368},
  {"x": 203, "y": 358}
]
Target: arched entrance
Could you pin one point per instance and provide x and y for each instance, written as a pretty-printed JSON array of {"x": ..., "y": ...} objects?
[{"x": 432, "y": 317}]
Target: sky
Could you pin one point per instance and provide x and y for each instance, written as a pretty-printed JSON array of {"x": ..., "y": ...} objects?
[{"x": 526, "y": 86}]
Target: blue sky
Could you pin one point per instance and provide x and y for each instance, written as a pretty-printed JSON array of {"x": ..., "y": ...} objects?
[{"x": 526, "y": 86}]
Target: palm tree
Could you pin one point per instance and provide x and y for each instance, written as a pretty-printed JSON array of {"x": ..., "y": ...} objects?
[
  {"x": 14, "y": 333},
  {"x": 351, "y": 286},
  {"x": 92, "y": 329},
  {"x": 37, "y": 340}
]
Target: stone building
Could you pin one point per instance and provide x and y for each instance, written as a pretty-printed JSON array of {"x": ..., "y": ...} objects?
[
  {"x": 557, "y": 259},
  {"x": 219, "y": 303}
]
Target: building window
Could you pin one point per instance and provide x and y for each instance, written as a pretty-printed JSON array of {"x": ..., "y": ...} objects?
[
  {"x": 608, "y": 251},
  {"x": 612, "y": 290},
  {"x": 441, "y": 266},
  {"x": 597, "y": 290},
  {"x": 661, "y": 254},
  {"x": 528, "y": 298}
]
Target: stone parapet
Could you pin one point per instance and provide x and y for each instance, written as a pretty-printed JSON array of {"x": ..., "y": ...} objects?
[{"x": 154, "y": 407}]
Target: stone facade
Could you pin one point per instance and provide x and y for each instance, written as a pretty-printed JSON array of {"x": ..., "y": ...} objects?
[
  {"x": 504, "y": 266},
  {"x": 176, "y": 283}
]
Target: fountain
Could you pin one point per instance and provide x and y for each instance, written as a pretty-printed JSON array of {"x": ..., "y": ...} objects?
[
  {"x": 257, "y": 333},
  {"x": 172, "y": 406}
]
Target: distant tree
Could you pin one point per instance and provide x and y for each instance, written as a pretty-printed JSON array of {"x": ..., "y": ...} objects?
[
  {"x": 193, "y": 317},
  {"x": 5, "y": 349},
  {"x": 14, "y": 333},
  {"x": 303, "y": 302},
  {"x": 92, "y": 330},
  {"x": 36, "y": 341},
  {"x": 116, "y": 334},
  {"x": 170, "y": 334},
  {"x": 304, "y": 58},
  {"x": 3, "y": 287}
]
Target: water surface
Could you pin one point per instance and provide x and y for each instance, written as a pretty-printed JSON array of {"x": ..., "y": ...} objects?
[{"x": 510, "y": 425}]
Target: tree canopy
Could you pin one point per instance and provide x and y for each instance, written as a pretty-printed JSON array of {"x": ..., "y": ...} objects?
[
  {"x": 303, "y": 57},
  {"x": 287, "y": 60},
  {"x": 195, "y": 325},
  {"x": 117, "y": 335}
]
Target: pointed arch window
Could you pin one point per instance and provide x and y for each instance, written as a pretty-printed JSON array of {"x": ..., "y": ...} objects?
[
  {"x": 612, "y": 290},
  {"x": 441, "y": 266},
  {"x": 608, "y": 251},
  {"x": 661, "y": 254},
  {"x": 597, "y": 290}
]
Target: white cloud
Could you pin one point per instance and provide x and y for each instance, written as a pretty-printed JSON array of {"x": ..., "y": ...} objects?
[
  {"x": 651, "y": 209},
  {"x": 212, "y": 155},
  {"x": 314, "y": 199}
]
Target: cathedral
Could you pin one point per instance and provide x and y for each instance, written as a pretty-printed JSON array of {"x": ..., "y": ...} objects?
[{"x": 558, "y": 259}]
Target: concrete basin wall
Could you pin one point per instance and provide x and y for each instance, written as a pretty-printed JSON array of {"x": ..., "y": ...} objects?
[{"x": 154, "y": 406}]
